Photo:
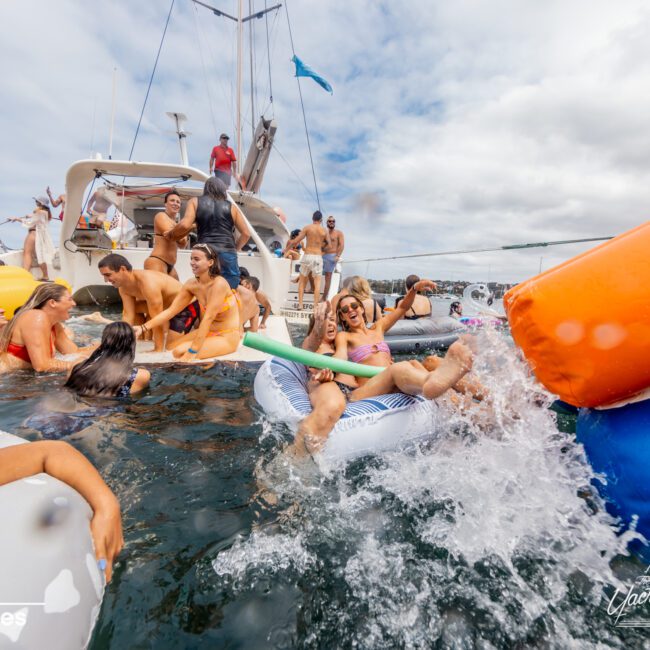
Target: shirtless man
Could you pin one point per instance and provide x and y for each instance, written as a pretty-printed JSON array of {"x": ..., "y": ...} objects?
[
  {"x": 99, "y": 204},
  {"x": 253, "y": 284},
  {"x": 312, "y": 261},
  {"x": 421, "y": 306},
  {"x": 147, "y": 292},
  {"x": 249, "y": 310},
  {"x": 165, "y": 251},
  {"x": 332, "y": 253}
]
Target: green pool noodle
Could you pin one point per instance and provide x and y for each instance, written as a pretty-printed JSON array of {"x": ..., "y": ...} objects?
[{"x": 278, "y": 349}]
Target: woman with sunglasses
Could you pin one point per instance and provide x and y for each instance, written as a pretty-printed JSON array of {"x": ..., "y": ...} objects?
[
  {"x": 217, "y": 305},
  {"x": 367, "y": 346}
]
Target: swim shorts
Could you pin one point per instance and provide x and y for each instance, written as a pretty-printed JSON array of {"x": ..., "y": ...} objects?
[
  {"x": 311, "y": 264},
  {"x": 329, "y": 262},
  {"x": 184, "y": 321}
]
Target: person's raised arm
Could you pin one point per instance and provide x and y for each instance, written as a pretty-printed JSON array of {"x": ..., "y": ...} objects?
[
  {"x": 314, "y": 339},
  {"x": 55, "y": 202},
  {"x": 341, "y": 344},
  {"x": 240, "y": 224},
  {"x": 295, "y": 240},
  {"x": 185, "y": 224},
  {"x": 64, "y": 462},
  {"x": 387, "y": 321}
]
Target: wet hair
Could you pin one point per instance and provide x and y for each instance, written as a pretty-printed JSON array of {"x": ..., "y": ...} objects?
[
  {"x": 172, "y": 193},
  {"x": 216, "y": 189},
  {"x": 411, "y": 280},
  {"x": 211, "y": 254},
  {"x": 317, "y": 216},
  {"x": 254, "y": 282},
  {"x": 455, "y": 307},
  {"x": 114, "y": 262},
  {"x": 295, "y": 233},
  {"x": 37, "y": 300},
  {"x": 109, "y": 367},
  {"x": 243, "y": 272},
  {"x": 359, "y": 288}
]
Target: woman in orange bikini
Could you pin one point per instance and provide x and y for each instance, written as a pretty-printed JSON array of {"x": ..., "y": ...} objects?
[
  {"x": 218, "y": 305},
  {"x": 36, "y": 331}
]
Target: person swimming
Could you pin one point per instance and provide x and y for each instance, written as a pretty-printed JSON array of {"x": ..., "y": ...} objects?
[
  {"x": 36, "y": 331},
  {"x": 456, "y": 309},
  {"x": 109, "y": 371},
  {"x": 219, "y": 329}
]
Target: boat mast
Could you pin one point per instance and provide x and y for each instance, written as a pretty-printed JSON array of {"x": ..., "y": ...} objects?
[
  {"x": 240, "y": 31},
  {"x": 250, "y": 42},
  {"x": 110, "y": 134},
  {"x": 179, "y": 119}
]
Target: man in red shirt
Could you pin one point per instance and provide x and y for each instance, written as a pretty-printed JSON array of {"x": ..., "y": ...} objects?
[{"x": 222, "y": 160}]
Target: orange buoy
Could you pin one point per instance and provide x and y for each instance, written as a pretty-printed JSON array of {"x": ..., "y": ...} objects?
[{"x": 584, "y": 325}]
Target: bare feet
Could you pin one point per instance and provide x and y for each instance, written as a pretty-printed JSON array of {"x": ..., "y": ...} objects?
[{"x": 455, "y": 365}]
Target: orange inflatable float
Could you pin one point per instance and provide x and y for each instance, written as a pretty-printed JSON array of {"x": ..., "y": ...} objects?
[{"x": 584, "y": 325}]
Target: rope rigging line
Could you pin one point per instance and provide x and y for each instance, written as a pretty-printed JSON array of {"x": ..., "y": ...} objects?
[
  {"x": 480, "y": 250},
  {"x": 304, "y": 117},
  {"x": 268, "y": 52},
  {"x": 153, "y": 72}
]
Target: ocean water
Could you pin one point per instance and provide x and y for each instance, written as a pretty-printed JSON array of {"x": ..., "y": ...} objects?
[{"x": 489, "y": 535}]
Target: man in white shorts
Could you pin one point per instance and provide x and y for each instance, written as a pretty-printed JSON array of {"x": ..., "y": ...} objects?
[{"x": 312, "y": 261}]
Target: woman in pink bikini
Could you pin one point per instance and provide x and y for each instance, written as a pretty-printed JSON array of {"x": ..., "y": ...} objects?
[
  {"x": 217, "y": 306},
  {"x": 31, "y": 337},
  {"x": 366, "y": 345}
]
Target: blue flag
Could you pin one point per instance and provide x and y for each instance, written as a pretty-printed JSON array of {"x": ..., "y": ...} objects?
[{"x": 303, "y": 70}]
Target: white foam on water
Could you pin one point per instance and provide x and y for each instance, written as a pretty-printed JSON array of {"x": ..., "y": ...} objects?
[{"x": 483, "y": 528}]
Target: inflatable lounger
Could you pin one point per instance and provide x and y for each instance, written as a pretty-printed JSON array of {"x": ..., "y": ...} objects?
[
  {"x": 432, "y": 333},
  {"x": 367, "y": 426},
  {"x": 51, "y": 588}
]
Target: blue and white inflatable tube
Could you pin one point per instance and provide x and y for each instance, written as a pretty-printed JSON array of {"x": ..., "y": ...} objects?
[
  {"x": 50, "y": 588},
  {"x": 617, "y": 443},
  {"x": 366, "y": 427}
]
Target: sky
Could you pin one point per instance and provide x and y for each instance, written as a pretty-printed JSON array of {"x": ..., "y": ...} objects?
[{"x": 452, "y": 125}]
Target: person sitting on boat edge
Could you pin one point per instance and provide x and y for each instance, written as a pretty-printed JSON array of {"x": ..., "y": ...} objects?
[
  {"x": 249, "y": 311},
  {"x": 293, "y": 250},
  {"x": 64, "y": 462},
  {"x": 165, "y": 252},
  {"x": 216, "y": 218},
  {"x": 109, "y": 371},
  {"x": 146, "y": 294},
  {"x": 219, "y": 329},
  {"x": 36, "y": 331},
  {"x": 253, "y": 284},
  {"x": 421, "y": 305}
]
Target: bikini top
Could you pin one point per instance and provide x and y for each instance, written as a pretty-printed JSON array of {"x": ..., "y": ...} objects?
[
  {"x": 20, "y": 351},
  {"x": 360, "y": 354},
  {"x": 228, "y": 303}
]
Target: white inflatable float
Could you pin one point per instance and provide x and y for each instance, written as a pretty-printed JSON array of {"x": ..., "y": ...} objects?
[
  {"x": 50, "y": 588},
  {"x": 368, "y": 426}
]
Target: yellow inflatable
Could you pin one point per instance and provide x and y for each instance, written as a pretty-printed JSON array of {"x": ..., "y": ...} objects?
[
  {"x": 16, "y": 285},
  {"x": 584, "y": 325}
]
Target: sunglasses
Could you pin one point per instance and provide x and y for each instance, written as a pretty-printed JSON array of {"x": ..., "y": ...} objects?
[
  {"x": 353, "y": 305},
  {"x": 331, "y": 221}
]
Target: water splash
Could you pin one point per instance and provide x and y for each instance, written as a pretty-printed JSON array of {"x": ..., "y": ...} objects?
[{"x": 482, "y": 535}]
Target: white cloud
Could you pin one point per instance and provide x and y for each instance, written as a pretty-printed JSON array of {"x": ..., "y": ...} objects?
[{"x": 472, "y": 124}]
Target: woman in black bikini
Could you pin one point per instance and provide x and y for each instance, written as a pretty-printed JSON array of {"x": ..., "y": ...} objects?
[
  {"x": 165, "y": 251},
  {"x": 109, "y": 371}
]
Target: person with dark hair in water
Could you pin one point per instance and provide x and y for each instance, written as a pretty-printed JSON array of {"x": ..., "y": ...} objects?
[
  {"x": 456, "y": 309},
  {"x": 421, "y": 307},
  {"x": 219, "y": 330},
  {"x": 216, "y": 218},
  {"x": 109, "y": 371},
  {"x": 36, "y": 331}
]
